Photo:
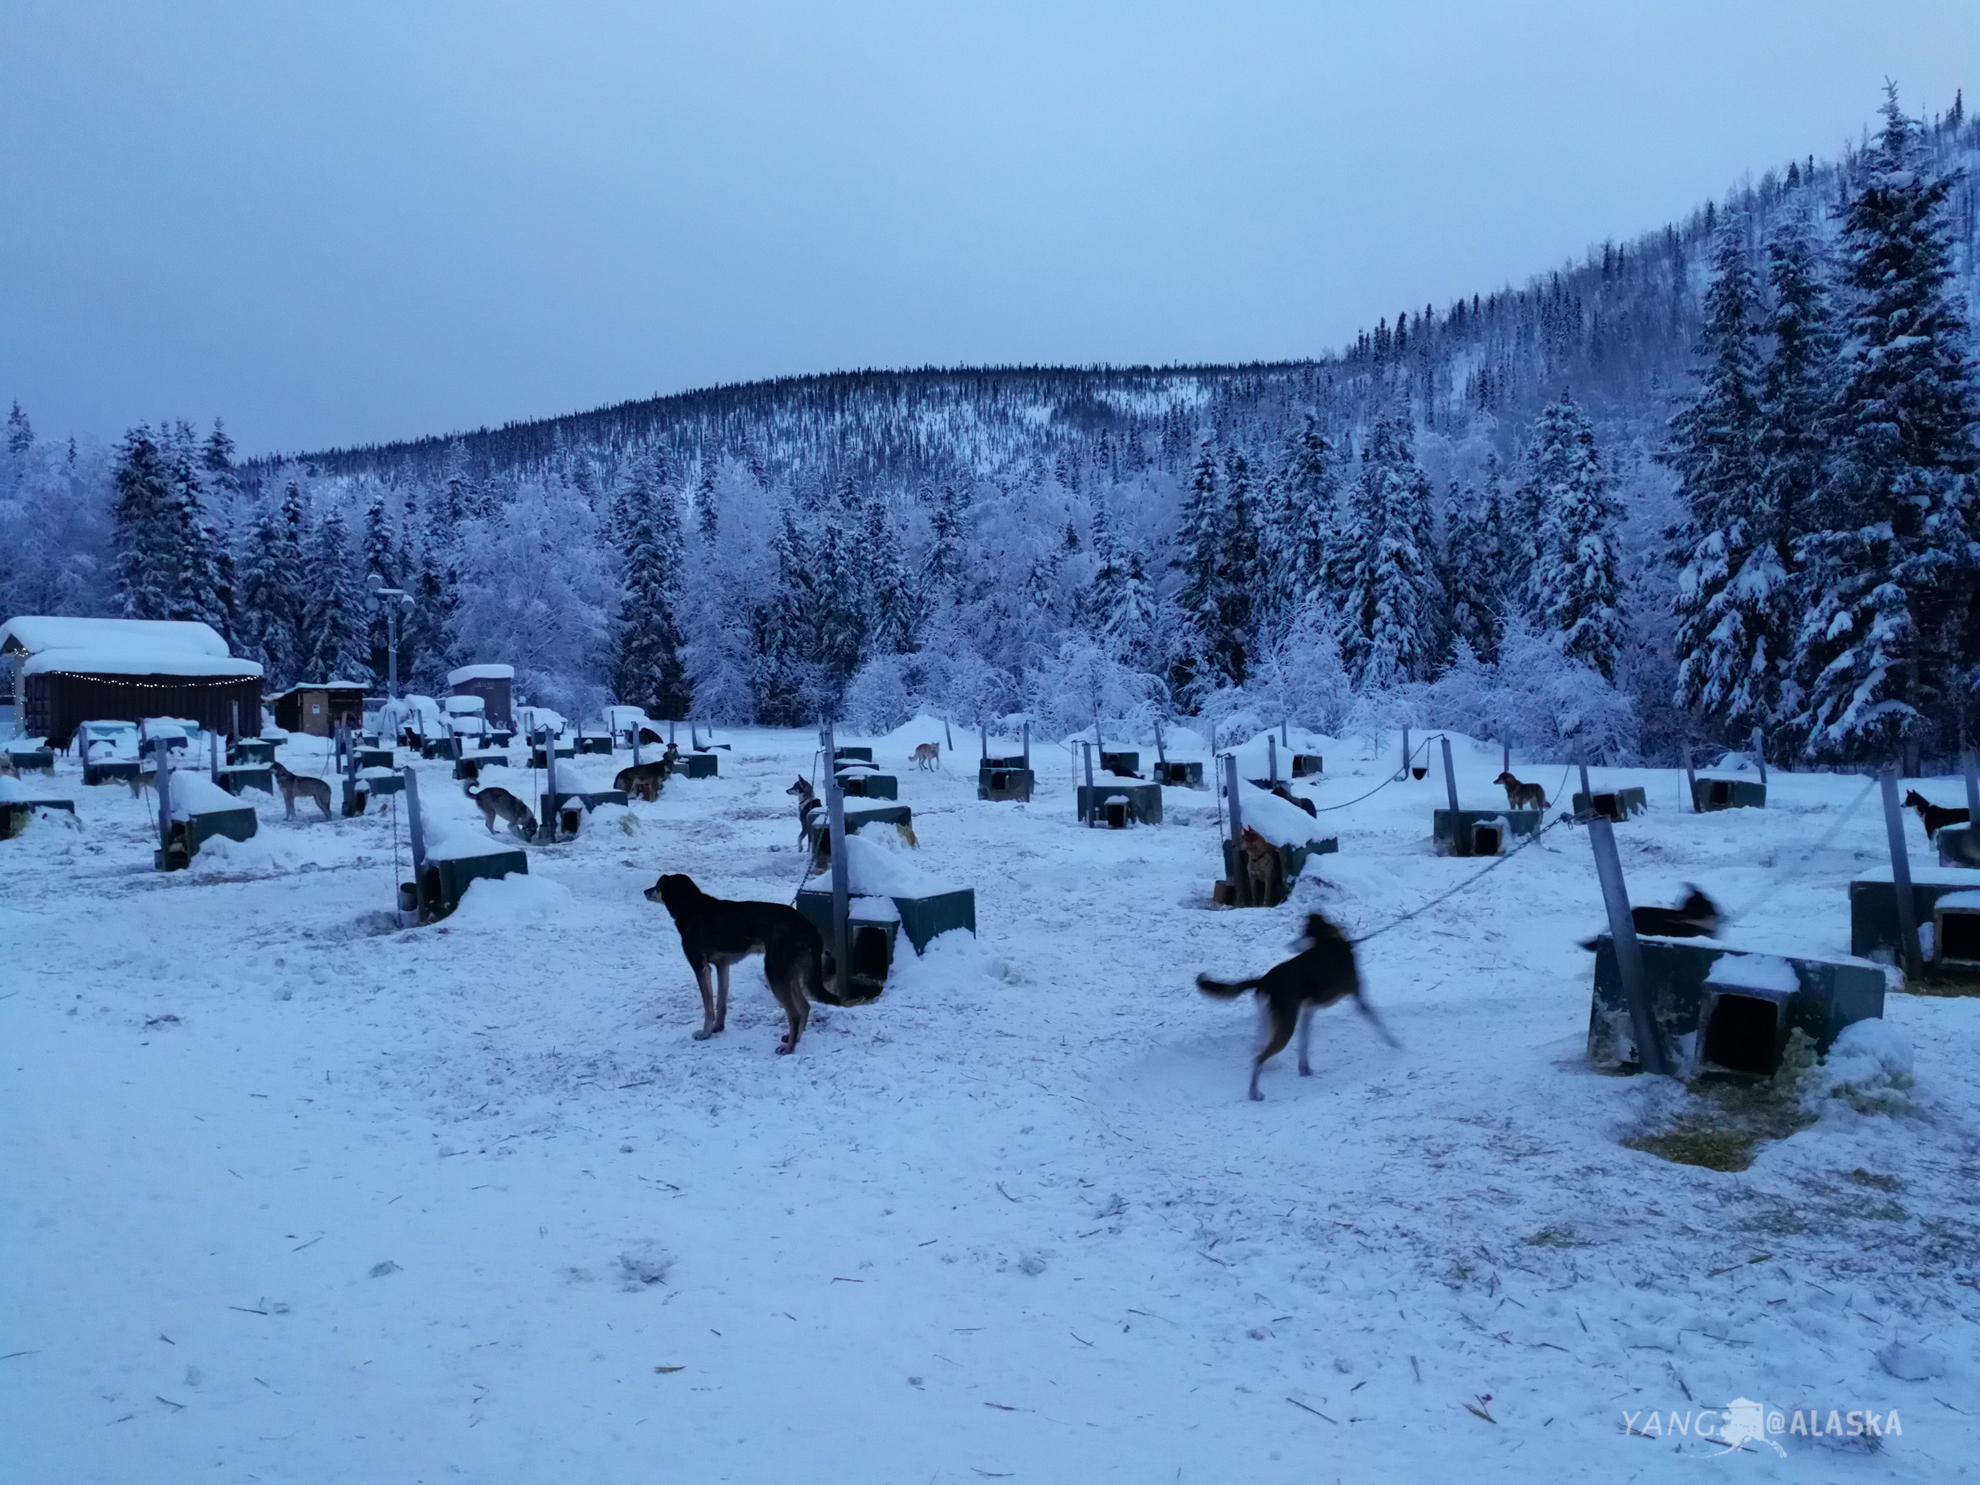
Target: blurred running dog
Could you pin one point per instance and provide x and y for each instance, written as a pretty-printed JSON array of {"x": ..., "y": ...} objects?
[
  {"x": 717, "y": 932},
  {"x": 1696, "y": 917},
  {"x": 1321, "y": 973},
  {"x": 1522, "y": 796},
  {"x": 498, "y": 803},
  {"x": 294, "y": 784}
]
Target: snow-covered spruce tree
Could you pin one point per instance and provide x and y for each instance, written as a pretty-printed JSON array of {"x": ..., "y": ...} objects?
[
  {"x": 335, "y": 613},
  {"x": 1797, "y": 387},
  {"x": 379, "y": 558},
  {"x": 647, "y": 666},
  {"x": 781, "y": 678},
  {"x": 1890, "y": 558},
  {"x": 1577, "y": 579},
  {"x": 1389, "y": 613},
  {"x": 1304, "y": 524},
  {"x": 896, "y": 610},
  {"x": 1118, "y": 607},
  {"x": 20, "y": 433},
  {"x": 1729, "y": 547},
  {"x": 1474, "y": 572},
  {"x": 145, "y": 540},
  {"x": 267, "y": 618},
  {"x": 425, "y": 653},
  {"x": 1238, "y": 574},
  {"x": 1198, "y": 549},
  {"x": 205, "y": 585}
]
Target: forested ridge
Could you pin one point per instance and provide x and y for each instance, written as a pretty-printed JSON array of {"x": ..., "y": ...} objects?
[{"x": 1714, "y": 479}]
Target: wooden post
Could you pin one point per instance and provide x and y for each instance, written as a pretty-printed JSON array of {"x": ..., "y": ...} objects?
[
  {"x": 1450, "y": 780},
  {"x": 163, "y": 779},
  {"x": 1760, "y": 754},
  {"x": 1097, "y": 743},
  {"x": 1241, "y": 883},
  {"x": 982, "y": 741},
  {"x": 835, "y": 822},
  {"x": 351, "y": 770},
  {"x": 1629, "y": 954},
  {"x": 1092, "y": 812},
  {"x": 549, "y": 820},
  {"x": 1406, "y": 756},
  {"x": 1271, "y": 758},
  {"x": 1505, "y": 757},
  {"x": 1972, "y": 790},
  {"x": 1160, "y": 756},
  {"x": 1907, "y": 907},
  {"x": 1586, "y": 791},
  {"x": 1690, "y": 778},
  {"x": 1024, "y": 734},
  {"x": 213, "y": 755},
  {"x": 1284, "y": 740},
  {"x": 418, "y": 833},
  {"x": 948, "y": 737}
]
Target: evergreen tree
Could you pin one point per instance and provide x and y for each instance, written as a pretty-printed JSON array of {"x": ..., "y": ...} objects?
[
  {"x": 1305, "y": 522},
  {"x": 1890, "y": 561},
  {"x": 1474, "y": 569},
  {"x": 268, "y": 620},
  {"x": 379, "y": 558},
  {"x": 145, "y": 542},
  {"x": 1797, "y": 386},
  {"x": 424, "y": 652},
  {"x": 204, "y": 592},
  {"x": 1731, "y": 617},
  {"x": 20, "y": 436},
  {"x": 779, "y": 681},
  {"x": 335, "y": 615},
  {"x": 648, "y": 670},
  {"x": 1389, "y": 623},
  {"x": 896, "y": 614},
  {"x": 1578, "y": 579},
  {"x": 1237, "y": 574},
  {"x": 1198, "y": 557}
]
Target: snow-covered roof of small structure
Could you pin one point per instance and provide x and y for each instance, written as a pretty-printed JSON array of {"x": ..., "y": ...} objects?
[
  {"x": 67, "y": 646},
  {"x": 481, "y": 673},
  {"x": 318, "y": 686},
  {"x": 459, "y": 704}
]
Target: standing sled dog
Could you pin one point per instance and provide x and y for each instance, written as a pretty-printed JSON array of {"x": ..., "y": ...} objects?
[{"x": 716, "y": 933}]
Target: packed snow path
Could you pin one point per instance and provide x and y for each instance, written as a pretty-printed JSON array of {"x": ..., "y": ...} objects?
[{"x": 292, "y": 1194}]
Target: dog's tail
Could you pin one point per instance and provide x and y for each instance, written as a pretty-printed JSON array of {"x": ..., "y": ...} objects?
[
  {"x": 824, "y": 970},
  {"x": 471, "y": 788},
  {"x": 1224, "y": 989}
]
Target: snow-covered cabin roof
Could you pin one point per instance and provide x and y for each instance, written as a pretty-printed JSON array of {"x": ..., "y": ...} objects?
[
  {"x": 318, "y": 686},
  {"x": 120, "y": 647},
  {"x": 481, "y": 673}
]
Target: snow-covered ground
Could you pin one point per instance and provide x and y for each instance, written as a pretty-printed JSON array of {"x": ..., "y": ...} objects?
[{"x": 289, "y": 1193}]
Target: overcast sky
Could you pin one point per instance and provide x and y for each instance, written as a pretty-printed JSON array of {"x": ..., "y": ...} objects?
[{"x": 342, "y": 223}]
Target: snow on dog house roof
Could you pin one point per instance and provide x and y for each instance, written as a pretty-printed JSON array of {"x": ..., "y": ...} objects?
[
  {"x": 66, "y": 646},
  {"x": 481, "y": 673}
]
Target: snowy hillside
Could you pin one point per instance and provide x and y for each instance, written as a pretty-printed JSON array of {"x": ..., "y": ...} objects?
[{"x": 297, "y": 1194}]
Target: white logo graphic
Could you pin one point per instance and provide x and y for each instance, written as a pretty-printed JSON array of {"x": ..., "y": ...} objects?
[{"x": 1744, "y": 1421}]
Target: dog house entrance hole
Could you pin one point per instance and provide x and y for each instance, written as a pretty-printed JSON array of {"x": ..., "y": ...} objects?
[
  {"x": 1722, "y": 792},
  {"x": 1743, "y": 1034},
  {"x": 569, "y": 818},
  {"x": 1486, "y": 840},
  {"x": 1609, "y": 806},
  {"x": 1958, "y": 938},
  {"x": 1117, "y": 814},
  {"x": 1000, "y": 779},
  {"x": 870, "y": 953}
]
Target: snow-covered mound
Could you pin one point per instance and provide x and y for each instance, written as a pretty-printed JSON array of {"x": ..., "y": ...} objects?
[
  {"x": 1281, "y": 823},
  {"x": 880, "y": 868},
  {"x": 196, "y": 794}
]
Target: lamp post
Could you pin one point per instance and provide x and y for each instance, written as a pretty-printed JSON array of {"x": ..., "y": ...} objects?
[{"x": 391, "y": 600}]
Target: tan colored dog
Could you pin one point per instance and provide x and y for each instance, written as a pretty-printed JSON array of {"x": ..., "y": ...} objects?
[
  {"x": 928, "y": 755},
  {"x": 1522, "y": 796},
  {"x": 1264, "y": 868}
]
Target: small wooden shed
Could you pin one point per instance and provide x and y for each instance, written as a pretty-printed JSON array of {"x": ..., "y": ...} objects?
[
  {"x": 319, "y": 708},
  {"x": 60, "y": 672},
  {"x": 495, "y": 685}
]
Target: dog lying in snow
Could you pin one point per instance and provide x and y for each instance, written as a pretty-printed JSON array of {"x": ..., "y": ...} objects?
[
  {"x": 716, "y": 933},
  {"x": 1322, "y": 972}
]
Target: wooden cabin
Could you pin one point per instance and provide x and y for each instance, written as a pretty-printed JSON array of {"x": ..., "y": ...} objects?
[
  {"x": 495, "y": 685},
  {"x": 60, "y": 672},
  {"x": 319, "y": 708}
]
